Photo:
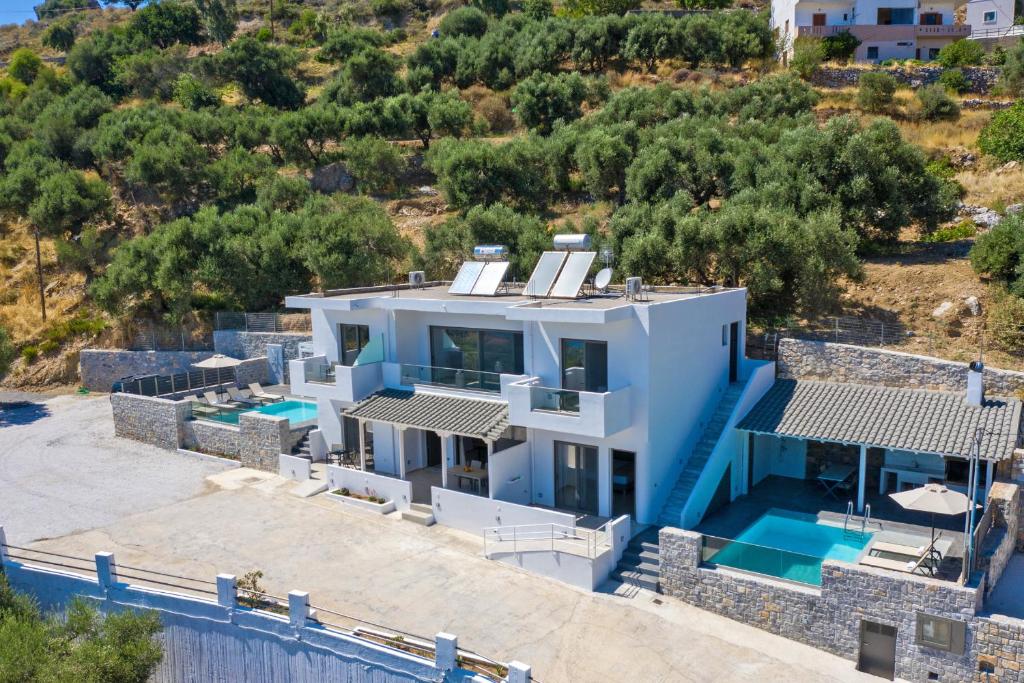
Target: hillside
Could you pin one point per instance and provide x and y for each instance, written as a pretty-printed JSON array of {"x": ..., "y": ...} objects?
[{"x": 176, "y": 163}]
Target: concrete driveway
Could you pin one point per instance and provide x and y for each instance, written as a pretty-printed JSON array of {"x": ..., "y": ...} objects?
[
  {"x": 420, "y": 580},
  {"x": 62, "y": 470}
]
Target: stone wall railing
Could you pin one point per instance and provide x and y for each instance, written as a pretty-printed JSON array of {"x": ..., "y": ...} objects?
[
  {"x": 980, "y": 79},
  {"x": 826, "y": 361}
]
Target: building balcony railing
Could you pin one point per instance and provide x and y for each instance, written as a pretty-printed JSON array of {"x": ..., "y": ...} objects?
[
  {"x": 881, "y": 32},
  {"x": 598, "y": 414},
  {"x": 315, "y": 377},
  {"x": 454, "y": 378},
  {"x": 943, "y": 30}
]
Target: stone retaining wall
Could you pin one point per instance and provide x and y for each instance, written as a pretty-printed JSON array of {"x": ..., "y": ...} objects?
[
  {"x": 155, "y": 421},
  {"x": 980, "y": 79},
  {"x": 1002, "y": 539},
  {"x": 210, "y": 437},
  {"x": 98, "y": 369},
  {"x": 262, "y": 439},
  {"x": 829, "y": 617},
  {"x": 241, "y": 344},
  {"x": 827, "y": 361}
]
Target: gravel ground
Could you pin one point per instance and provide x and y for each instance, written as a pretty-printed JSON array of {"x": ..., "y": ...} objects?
[{"x": 62, "y": 470}]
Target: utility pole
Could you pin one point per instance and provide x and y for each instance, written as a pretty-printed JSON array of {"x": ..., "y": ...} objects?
[{"x": 39, "y": 273}]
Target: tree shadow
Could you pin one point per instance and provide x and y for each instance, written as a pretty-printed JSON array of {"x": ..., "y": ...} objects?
[{"x": 22, "y": 413}]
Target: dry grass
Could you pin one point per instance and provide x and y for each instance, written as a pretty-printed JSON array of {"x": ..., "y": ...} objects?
[
  {"x": 942, "y": 135},
  {"x": 992, "y": 187}
]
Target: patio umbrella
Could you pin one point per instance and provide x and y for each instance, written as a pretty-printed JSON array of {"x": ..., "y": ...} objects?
[
  {"x": 218, "y": 361},
  {"x": 933, "y": 498}
]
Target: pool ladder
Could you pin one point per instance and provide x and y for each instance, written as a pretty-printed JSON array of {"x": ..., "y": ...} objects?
[{"x": 863, "y": 520}]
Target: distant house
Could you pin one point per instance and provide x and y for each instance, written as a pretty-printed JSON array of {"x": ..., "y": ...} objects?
[
  {"x": 887, "y": 29},
  {"x": 990, "y": 17}
]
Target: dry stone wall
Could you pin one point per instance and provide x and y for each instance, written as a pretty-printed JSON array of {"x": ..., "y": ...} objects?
[
  {"x": 263, "y": 438},
  {"x": 155, "y": 421},
  {"x": 210, "y": 437},
  {"x": 241, "y": 344},
  {"x": 98, "y": 369},
  {"x": 979, "y": 79}
]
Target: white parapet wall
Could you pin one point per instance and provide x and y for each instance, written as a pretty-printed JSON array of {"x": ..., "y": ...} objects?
[
  {"x": 398, "y": 491},
  {"x": 214, "y": 638},
  {"x": 293, "y": 467},
  {"x": 473, "y": 513}
]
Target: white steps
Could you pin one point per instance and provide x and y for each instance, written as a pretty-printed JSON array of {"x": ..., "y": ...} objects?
[{"x": 419, "y": 514}]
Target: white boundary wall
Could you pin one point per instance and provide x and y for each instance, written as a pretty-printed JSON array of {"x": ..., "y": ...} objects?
[
  {"x": 215, "y": 639},
  {"x": 472, "y": 513},
  {"x": 390, "y": 488}
]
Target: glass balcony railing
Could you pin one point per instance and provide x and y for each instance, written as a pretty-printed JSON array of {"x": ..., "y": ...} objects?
[
  {"x": 456, "y": 378},
  {"x": 320, "y": 374},
  {"x": 555, "y": 400},
  {"x": 783, "y": 564}
]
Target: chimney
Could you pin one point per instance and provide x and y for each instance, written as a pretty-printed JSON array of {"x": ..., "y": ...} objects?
[{"x": 975, "y": 385}]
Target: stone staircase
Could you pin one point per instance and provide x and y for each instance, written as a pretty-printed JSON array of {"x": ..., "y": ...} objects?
[
  {"x": 672, "y": 512},
  {"x": 640, "y": 564},
  {"x": 419, "y": 514},
  {"x": 301, "y": 449}
]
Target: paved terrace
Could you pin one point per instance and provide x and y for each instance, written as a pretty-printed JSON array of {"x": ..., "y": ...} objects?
[{"x": 66, "y": 478}]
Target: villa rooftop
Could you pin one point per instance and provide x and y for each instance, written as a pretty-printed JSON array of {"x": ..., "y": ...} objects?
[
  {"x": 916, "y": 420},
  {"x": 514, "y": 297}
]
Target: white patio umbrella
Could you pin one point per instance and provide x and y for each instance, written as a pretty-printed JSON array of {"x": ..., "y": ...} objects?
[
  {"x": 933, "y": 498},
  {"x": 218, "y": 361}
]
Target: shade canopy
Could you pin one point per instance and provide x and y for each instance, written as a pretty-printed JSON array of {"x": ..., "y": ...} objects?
[
  {"x": 218, "y": 361},
  {"x": 933, "y": 498}
]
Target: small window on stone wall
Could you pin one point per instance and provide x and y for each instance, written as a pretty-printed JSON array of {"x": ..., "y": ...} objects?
[{"x": 941, "y": 633}]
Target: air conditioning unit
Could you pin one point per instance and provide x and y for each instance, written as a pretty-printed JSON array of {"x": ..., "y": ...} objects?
[
  {"x": 634, "y": 287},
  {"x": 417, "y": 278}
]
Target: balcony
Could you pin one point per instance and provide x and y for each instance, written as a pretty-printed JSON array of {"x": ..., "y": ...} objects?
[
  {"x": 315, "y": 377},
  {"x": 530, "y": 404},
  {"x": 943, "y": 31},
  {"x": 451, "y": 378}
]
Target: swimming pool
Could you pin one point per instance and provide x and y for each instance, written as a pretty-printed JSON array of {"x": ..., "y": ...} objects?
[
  {"x": 789, "y": 545},
  {"x": 295, "y": 411}
]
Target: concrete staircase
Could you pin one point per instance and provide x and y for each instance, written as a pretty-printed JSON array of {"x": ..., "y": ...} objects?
[
  {"x": 640, "y": 564},
  {"x": 301, "y": 449},
  {"x": 671, "y": 514},
  {"x": 419, "y": 514}
]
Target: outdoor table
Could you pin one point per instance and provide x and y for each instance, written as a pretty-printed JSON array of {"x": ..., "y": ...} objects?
[
  {"x": 473, "y": 474},
  {"x": 834, "y": 476}
]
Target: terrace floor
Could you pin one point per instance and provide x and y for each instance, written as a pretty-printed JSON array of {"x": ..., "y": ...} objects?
[{"x": 889, "y": 521}]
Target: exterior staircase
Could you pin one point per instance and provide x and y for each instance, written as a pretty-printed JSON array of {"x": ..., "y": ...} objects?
[
  {"x": 640, "y": 565},
  {"x": 672, "y": 513},
  {"x": 301, "y": 449},
  {"x": 419, "y": 513}
]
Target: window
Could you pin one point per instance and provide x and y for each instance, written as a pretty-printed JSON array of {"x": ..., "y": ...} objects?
[
  {"x": 584, "y": 365},
  {"x": 904, "y": 44},
  {"x": 933, "y": 53},
  {"x": 353, "y": 339},
  {"x": 941, "y": 633},
  {"x": 989, "y": 17},
  {"x": 725, "y": 335},
  {"x": 486, "y": 351},
  {"x": 931, "y": 19},
  {"x": 846, "y": 16},
  {"x": 873, "y": 52},
  {"x": 895, "y": 15}
]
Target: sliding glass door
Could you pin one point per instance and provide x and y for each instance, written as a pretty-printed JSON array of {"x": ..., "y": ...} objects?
[
  {"x": 354, "y": 339},
  {"x": 576, "y": 477},
  {"x": 584, "y": 368},
  {"x": 482, "y": 355}
]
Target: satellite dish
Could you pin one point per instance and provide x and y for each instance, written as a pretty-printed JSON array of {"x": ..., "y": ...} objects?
[{"x": 603, "y": 278}]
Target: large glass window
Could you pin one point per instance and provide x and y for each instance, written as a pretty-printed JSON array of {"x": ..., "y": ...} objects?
[
  {"x": 354, "y": 339},
  {"x": 895, "y": 15},
  {"x": 485, "y": 351},
  {"x": 576, "y": 477},
  {"x": 584, "y": 365}
]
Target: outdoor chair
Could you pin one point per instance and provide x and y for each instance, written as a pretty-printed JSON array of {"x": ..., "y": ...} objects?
[
  {"x": 237, "y": 396},
  {"x": 260, "y": 394},
  {"x": 215, "y": 400}
]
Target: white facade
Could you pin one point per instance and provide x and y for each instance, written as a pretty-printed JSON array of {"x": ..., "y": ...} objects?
[
  {"x": 887, "y": 29},
  {"x": 668, "y": 361},
  {"x": 986, "y": 16}
]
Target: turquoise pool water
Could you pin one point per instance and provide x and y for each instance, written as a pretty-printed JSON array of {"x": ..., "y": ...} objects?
[
  {"x": 790, "y": 545},
  {"x": 295, "y": 411}
]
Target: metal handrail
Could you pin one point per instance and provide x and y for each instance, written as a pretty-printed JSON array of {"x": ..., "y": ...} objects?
[
  {"x": 864, "y": 520},
  {"x": 849, "y": 513},
  {"x": 494, "y": 378},
  {"x": 589, "y": 539}
]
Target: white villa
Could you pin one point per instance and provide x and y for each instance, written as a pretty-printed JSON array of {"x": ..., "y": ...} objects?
[
  {"x": 887, "y": 29},
  {"x": 589, "y": 405}
]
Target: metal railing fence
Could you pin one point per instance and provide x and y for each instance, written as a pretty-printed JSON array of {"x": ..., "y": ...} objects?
[
  {"x": 263, "y": 322},
  {"x": 587, "y": 543},
  {"x": 184, "y": 382},
  {"x": 148, "y": 335}
]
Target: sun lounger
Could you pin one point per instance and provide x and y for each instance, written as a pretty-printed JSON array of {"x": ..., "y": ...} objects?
[
  {"x": 214, "y": 400},
  {"x": 906, "y": 566},
  {"x": 199, "y": 405},
  {"x": 237, "y": 396},
  {"x": 259, "y": 393},
  {"x": 911, "y": 559}
]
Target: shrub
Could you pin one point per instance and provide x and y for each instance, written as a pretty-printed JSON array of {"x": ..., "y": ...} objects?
[
  {"x": 7, "y": 352},
  {"x": 961, "y": 52},
  {"x": 494, "y": 109},
  {"x": 389, "y": 9},
  {"x": 538, "y": 9},
  {"x": 1011, "y": 77},
  {"x": 29, "y": 354},
  {"x": 808, "y": 54},
  {"x": 60, "y": 35},
  {"x": 192, "y": 93},
  {"x": 936, "y": 105},
  {"x": 998, "y": 252},
  {"x": 464, "y": 21},
  {"x": 24, "y": 65},
  {"x": 375, "y": 163},
  {"x": 876, "y": 91},
  {"x": 1003, "y": 137},
  {"x": 954, "y": 80},
  {"x": 542, "y": 99},
  {"x": 961, "y": 231},
  {"x": 1006, "y": 323},
  {"x": 840, "y": 47}
]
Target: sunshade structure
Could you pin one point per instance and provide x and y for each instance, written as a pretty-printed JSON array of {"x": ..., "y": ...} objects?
[
  {"x": 466, "y": 417},
  {"x": 217, "y": 362},
  {"x": 933, "y": 498}
]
